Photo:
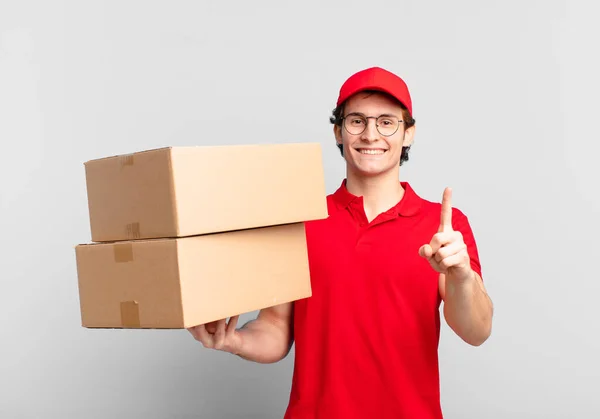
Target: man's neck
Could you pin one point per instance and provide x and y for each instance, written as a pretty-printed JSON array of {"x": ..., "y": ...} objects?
[{"x": 380, "y": 193}]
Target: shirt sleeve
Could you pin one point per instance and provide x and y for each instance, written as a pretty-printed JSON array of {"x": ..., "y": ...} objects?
[{"x": 460, "y": 222}]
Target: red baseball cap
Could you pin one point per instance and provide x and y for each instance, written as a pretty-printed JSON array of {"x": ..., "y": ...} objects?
[{"x": 376, "y": 78}]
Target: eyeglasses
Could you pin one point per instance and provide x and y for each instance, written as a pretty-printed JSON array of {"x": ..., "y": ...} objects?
[{"x": 356, "y": 123}]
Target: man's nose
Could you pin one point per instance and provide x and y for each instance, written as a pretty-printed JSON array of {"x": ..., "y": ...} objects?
[{"x": 370, "y": 133}]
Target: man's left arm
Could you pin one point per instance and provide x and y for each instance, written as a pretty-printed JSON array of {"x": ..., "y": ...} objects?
[{"x": 468, "y": 309}]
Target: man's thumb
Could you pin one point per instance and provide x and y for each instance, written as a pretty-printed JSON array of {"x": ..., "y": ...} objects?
[{"x": 426, "y": 251}]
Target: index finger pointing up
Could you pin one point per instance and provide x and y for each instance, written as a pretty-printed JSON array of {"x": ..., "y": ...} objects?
[{"x": 446, "y": 216}]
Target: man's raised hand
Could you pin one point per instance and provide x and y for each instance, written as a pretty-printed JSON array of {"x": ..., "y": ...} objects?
[{"x": 447, "y": 252}]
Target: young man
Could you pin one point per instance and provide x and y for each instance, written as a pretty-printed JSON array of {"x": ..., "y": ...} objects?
[{"x": 381, "y": 264}]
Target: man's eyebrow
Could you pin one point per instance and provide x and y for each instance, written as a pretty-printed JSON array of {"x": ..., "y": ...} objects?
[{"x": 383, "y": 114}]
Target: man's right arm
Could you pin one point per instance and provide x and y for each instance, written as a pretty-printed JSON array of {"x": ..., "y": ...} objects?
[
  {"x": 269, "y": 338},
  {"x": 266, "y": 339}
]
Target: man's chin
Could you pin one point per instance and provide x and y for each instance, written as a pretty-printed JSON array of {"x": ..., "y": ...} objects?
[{"x": 369, "y": 171}]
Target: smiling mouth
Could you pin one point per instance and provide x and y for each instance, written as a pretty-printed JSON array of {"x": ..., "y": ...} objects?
[{"x": 371, "y": 151}]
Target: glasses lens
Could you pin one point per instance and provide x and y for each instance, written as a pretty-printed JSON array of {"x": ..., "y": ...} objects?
[
  {"x": 387, "y": 125},
  {"x": 355, "y": 124}
]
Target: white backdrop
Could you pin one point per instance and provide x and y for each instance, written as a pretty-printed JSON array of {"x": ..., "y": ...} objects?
[{"x": 505, "y": 97}]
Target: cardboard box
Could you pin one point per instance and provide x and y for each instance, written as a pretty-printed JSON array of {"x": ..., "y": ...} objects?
[
  {"x": 183, "y": 282},
  {"x": 187, "y": 191}
]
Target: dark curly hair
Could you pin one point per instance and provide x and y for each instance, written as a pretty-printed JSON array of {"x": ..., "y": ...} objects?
[{"x": 409, "y": 121}]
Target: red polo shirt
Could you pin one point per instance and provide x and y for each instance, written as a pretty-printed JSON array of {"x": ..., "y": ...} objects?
[{"x": 366, "y": 341}]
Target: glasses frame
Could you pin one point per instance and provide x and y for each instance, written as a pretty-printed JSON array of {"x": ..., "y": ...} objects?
[{"x": 376, "y": 118}]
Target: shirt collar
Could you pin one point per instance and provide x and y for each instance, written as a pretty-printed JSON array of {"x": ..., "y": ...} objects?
[{"x": 410, "y": 204}]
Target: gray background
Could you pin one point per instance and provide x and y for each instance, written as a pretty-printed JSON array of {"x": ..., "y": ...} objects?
[{"x": 506, "y": 102}]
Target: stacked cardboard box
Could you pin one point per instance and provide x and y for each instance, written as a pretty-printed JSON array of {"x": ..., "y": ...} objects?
[{"x": 183, "y": 236}]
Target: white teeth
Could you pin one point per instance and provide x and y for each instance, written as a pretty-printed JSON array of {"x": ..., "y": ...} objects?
[{"x": 366, "y": 151}]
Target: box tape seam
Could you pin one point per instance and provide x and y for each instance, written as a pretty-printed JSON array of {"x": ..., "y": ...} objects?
[
  {"x": 123, "y": 252},
  {"x": 130, "y": 314},
  {"x": 126, "y": 160},
  {"x": 133, "y": 230}
]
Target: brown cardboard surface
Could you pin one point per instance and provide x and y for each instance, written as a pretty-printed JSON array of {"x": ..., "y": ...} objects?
[
  {"x": 126, "y": 193},
  {"x": 182, "y": 282},
  {"x": 185, "y": 191}
]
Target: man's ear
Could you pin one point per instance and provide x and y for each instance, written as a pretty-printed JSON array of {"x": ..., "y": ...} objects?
[
  {"x": 337, "y": 132},
  {"x": 409, "y": 136}
]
